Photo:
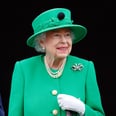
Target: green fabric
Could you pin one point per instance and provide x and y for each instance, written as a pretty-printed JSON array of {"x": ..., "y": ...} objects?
[
  {"x": 49, "y": 20},
  {"x": 31, "y": 88}
]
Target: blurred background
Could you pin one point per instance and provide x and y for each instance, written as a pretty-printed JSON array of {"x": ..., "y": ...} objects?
[{"x": 98, "y": 46}]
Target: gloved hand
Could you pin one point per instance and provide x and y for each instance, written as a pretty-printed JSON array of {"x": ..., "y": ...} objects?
[{"x": 68, "y": 102}]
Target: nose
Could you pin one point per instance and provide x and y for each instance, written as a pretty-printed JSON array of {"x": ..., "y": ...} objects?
[{"x": 63, "y": 39}]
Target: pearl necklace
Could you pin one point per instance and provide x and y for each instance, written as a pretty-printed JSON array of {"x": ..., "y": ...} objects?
[{"x": 54, "y": 74}]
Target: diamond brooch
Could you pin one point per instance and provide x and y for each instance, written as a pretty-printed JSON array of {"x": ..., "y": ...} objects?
[{"x": 77, "y": 67}]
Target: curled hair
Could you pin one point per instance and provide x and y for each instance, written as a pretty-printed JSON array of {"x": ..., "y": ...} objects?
[{"x": 37, "y": 45}]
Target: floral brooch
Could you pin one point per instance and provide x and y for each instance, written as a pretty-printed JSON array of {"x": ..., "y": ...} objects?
[{"x": 77, "y": 67}]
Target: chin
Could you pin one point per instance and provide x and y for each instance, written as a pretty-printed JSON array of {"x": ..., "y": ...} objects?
[{"x": 62, "y": 55}]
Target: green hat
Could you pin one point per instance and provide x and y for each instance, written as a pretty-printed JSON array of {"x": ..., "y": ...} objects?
[{"x": 54, "y": 19}]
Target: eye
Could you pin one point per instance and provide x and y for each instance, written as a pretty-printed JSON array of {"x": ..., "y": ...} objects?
[
  {"x": 68, "y": 34},
  {"x": 56, "y": 34}
]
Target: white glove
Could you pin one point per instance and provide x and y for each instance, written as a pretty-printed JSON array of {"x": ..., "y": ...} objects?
[{"x": 68, "y": 102}]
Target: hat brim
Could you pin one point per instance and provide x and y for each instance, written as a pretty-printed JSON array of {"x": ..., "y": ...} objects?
[{"x": 78, "y": 30}]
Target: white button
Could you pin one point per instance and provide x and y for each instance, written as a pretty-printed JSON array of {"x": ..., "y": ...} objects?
[
  {"x": 54, "y": 92},
  {"x": 55, "y": 112}
]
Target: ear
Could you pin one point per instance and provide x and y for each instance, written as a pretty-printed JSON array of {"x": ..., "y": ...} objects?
[{"x": 41, "y": 42}]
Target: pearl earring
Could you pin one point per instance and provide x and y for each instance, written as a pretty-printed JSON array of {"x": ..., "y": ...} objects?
[{"x": 43, "y": 49}]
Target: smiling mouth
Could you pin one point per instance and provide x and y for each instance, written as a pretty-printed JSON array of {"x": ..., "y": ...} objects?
[{"x": 62, "y": 49}]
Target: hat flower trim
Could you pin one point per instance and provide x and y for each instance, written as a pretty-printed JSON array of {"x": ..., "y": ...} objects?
[
  {"x": 53, "y": 22},
  {"x": 77, "y": 67}
]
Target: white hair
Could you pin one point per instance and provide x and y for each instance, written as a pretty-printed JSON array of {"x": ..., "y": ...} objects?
[{"x": 37, "y": 45}]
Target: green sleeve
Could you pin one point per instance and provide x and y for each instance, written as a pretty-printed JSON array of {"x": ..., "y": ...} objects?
[
  {"x": 17, "y": 92},
  {"x": 93, "y": 98}
]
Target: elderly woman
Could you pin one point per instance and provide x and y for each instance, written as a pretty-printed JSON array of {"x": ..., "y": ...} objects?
[{"x": 55, "y": 82}]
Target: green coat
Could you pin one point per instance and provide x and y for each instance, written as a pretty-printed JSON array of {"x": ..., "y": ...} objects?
[{"x": 34, "y": 92}]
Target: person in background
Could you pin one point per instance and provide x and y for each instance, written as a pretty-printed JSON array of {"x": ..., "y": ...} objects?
[
  {"x": 55, "y": 82},
  {"x": 2, "y": 112}
]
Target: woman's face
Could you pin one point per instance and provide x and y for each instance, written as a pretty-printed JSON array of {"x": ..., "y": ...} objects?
[{"x": 58, "y": 43}]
